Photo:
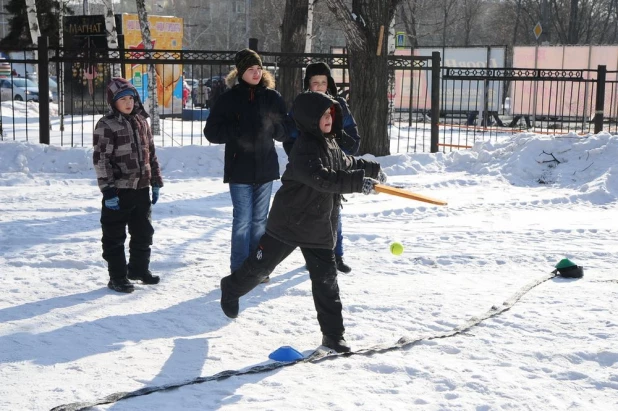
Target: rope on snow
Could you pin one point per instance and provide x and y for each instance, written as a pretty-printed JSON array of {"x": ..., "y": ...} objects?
[{"x": 317, "y": 356}]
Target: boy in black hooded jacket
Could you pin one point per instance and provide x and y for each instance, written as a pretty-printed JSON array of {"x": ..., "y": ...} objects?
[{"x": 304, "y": 214}]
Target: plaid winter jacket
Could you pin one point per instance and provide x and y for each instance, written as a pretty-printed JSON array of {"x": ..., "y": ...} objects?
[{"x": 124, "y": 152}]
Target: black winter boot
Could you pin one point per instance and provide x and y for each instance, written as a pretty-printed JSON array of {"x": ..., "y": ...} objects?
[
  {"x": 336, "y": 342},
  {"x": 146, "y": 277},
  {"x": 122, "y": 285},
  {"x": 341, "y": 266},
  {"x": 229, "y": 305}
]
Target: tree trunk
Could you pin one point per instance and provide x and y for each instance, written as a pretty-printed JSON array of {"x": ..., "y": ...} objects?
[
  {"x": 152, "y": 80},
  {"x": 309, "y": 35},
  {"x": 33, "y": 21},
  {"x": 111, "y": 33},
  {"x": 293, "y": 39},
  {"x": 573, "y": 36},
  {"x": 365, "y": 28}
]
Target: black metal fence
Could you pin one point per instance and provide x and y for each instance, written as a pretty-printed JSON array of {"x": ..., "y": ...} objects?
[{"x": 431, "y": 108}]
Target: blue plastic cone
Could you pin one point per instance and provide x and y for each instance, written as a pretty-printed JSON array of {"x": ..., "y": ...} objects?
[{"x": 285, "y": 354}]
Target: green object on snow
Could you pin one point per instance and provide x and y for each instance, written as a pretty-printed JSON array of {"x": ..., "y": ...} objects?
[
  {"x": 568, "y": 269},
  {"x": 565, "y": 263}
]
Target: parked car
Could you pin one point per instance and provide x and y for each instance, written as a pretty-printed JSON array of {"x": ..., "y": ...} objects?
[
  {"x": 53, "y": 88},
  {"x": 192, "y": 83},
  {"x": 20, "y": 89}
]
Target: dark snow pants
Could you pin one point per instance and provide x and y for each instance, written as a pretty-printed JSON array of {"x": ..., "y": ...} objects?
[
  {"x": 135, "y": 212},
  {"x": 322, "y": 271}
]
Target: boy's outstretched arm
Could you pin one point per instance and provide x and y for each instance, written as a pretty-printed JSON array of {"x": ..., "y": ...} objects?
[{"x": 310, "y": 170}]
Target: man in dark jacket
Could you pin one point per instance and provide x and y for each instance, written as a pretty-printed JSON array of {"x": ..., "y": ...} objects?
[
  {"x": 305, "y": 212},
  {"x": 247, "y": 119}
]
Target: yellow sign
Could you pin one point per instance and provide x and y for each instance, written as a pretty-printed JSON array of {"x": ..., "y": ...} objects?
[
  {"x": 538, "y": 30},
  {"x": 166, "y": 34}
]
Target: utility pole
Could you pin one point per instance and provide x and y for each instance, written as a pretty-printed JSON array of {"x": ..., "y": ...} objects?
[{"x": 545, "y": 37}]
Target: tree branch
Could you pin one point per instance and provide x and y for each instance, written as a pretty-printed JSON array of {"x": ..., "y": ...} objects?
[{"x": 354, "y": 35}]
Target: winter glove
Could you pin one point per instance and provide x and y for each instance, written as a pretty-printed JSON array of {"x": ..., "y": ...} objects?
[
  {"x": 155, "y": 194},
  {"x": 369, "y": 185},
  {"x": 382, "y": 177},
  {"x": 113, "y": 203},
  {"x": 111, "y": 200}
]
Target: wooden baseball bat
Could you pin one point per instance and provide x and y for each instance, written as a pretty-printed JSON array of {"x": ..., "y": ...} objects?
[{"x": 381, "y": 188}]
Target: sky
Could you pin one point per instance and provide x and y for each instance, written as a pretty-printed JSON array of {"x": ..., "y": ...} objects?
[{"x": 487, "y": 326}]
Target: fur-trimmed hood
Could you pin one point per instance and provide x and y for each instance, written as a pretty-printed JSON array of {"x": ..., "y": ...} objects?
[{"x": 268, "y": 80}]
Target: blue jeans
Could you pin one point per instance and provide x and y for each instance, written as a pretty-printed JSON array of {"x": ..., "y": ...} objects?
[
  {"x": 339, "y": 245},
  {"x": 251, "y": 203}
]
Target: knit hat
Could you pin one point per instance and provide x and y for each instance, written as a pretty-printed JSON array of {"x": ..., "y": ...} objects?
[
  {"x": 320, "y": 69},
  {"x": 124, "y": 93},
  {"x": 244, "y": 59}
]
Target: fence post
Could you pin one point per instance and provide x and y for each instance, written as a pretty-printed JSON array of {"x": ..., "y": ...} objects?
[
  {"x": 253, "y": 44},
  {"x": 600, "y": 103},
  {"x": 435, "y": 100},
  {"x": 43, "y": 75},
  {"x": 123, "y": 69}
]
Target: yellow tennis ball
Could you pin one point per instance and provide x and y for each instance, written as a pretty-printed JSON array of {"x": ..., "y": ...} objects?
[{"x": 396, "y": 248}]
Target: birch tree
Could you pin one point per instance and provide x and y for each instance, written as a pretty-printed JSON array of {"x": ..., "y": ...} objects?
[
  {"x": 111, "y": 33},
  {"x": 152, "y": 80},
  {"x": 33, "y": 21}
]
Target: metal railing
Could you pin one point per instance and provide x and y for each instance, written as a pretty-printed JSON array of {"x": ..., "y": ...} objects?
[{"x": 431, "y": 108}]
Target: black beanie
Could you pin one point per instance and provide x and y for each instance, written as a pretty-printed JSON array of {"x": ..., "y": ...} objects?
[
  {"x": 244, "y": 59},
  {"x": 320, "y": 69}
]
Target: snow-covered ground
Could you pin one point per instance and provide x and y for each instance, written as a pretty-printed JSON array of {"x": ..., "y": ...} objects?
[{"x": 515, "y": 208}]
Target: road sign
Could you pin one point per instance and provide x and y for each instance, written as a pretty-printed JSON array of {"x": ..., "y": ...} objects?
[
  {"x": 538, "y": 30},
  {"x": 400, "y": 39}
]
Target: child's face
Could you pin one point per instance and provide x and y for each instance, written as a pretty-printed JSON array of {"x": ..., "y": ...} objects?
[
  {"x": 252, "y": 75},
  {"x": 125, "y": 104},
  {"x": 326, "y": 122},
  {"x": 318, "y": 83}
]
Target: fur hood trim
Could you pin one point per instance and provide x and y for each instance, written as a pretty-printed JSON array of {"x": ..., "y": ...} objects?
[{"x": 268, "y": 80}]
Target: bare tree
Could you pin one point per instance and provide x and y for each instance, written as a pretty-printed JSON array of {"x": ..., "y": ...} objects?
[
  {"x": 573, "y": 34},
  {"x": 152, "y": 83},
  {"x": 365, "y": 26},
  {"x": 293, "y": 38},
  {"x": 33, "y": 21},
  {"x": 409, "y": 21},
  {"x": 470, "y": 13},
  {"x": 111, "y": 32}
]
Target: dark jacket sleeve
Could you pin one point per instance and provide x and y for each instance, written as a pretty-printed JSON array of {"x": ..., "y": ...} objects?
[
  {"x": 222, "y": 124},
  {"x": 292, "y": 133},
  {"x": 310, "y": 170},
  {"x": 371, "y": 168},
  {"x": 103, "y": 150},
  {"x": 352, "y": 140},
  {"x": 281, "y": 122}
]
